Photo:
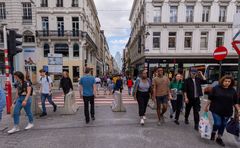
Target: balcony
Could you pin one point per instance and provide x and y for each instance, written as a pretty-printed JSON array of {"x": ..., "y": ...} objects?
[
  {"x": 27, "y": 20},
  {"x": 57, "y": 34}
]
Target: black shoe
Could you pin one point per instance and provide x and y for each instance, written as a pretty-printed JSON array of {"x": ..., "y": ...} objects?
[
  {"x": 43, "y": 114},
  {"x": 213, "y": 136},
  {"x": 196, "y": 127},
  {"x": 186, "y": 122},
  {"x": 176, "y": 121},
  {"x": 54, "y": 108},
  {"x": 93, "y": 118},
  {"x": 220, "y": 142},
  {"x": 171, "y": 116}
]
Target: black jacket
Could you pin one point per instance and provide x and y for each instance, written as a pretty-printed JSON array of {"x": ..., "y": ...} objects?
[
  {"x": 66, "y": 85},
  {"x": 189, "y": 87}
]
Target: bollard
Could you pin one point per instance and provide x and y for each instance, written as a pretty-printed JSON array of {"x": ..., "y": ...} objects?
[
  {"x": 36, "y": 110},
  {"x": 70, "y": 105},
  {"x": 117, "y": 104}
]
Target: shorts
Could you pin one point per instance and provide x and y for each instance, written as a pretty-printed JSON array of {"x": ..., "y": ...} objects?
[{"x": 162, "y": 99}]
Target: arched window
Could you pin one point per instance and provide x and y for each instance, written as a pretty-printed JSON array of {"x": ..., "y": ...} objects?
[
  {"x": 75, "y": 50},
  {"x": 62, "y": 48},
  {"x": 46, "y": 50},
  {"x": 28, "y": 37}
]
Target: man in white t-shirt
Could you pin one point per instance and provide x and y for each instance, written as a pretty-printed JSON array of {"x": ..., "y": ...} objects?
[
  {"x": 98, "y": 83},
  {"x": 46, "y": 92}
]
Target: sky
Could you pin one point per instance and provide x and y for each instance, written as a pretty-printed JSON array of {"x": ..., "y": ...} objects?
[{"x": 114, "y": 19}]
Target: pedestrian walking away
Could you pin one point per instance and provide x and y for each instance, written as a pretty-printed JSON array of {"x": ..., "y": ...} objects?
[
  {"x": 141, "y": 91},
  {"x": 161, "y": 93},
  {"x": 2, "y": 101},
  {"x": 66, "y": 84},
  {"x": 87, "y": 90},
  {"x": 119, "y": 84},
  {"x": 46, "y": 92},
  {"x": 192, "y": 93},
  {"x": 129, "y": 85},
  {"x": 98, "y": 84},
  {"x": 222, "y": 99},
  {"x": 176, "y": 88},
  {"x": 23, "y": 99}
]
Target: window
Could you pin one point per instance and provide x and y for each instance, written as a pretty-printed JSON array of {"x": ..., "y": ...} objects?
[
  {"x": 75, "y": 50},
  {"x": 156, "y": 39},
  {"x": 76, "y": 73},
  {"x": 59, "y": 3},
  {"x": 188, "y": 40},
  {"x": 172, "y": 40},
  {"x": 157, "y": 15},
  {"x": 45, "y": 26},
  {"x": 46, "y": 50},
  {"x": 60, "y": 26},
  {"x": 44, "y": 3},
  {"x": 75, "y": 26},
  {"x": 2, "y": 11},
  {"x": 173, "y": 14},
  {"x": 205, "y": 14},
  {"x": 189, "y": 13},
  {"x": 222, "y": 14},
  {"x": 66, "y": 68},
  {"x": 62, "y": 49},
  {"x": 27, "y": 11},
  {"x": 238, "y": 9},
  {"x": 29, "y": 39},
  {"x": 204, "y": 40},
  {"x": 74, "y": 3},
  {"x": 220, "y": 39}
]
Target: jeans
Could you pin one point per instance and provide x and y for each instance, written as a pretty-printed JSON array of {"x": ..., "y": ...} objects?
[
  {"x": 177, "y": 106},
  {"x": 195, "y": 103},
  {"x": 86, "y": 100},
  {"x": 129, "y": 90},
  {"x": 142, "y": 99},
  {"x": 1, "y": 110},
  {"x": 220, "y": 123},
  {"x": 18, "y": 107},
  {"x": 43, "y": 99}
]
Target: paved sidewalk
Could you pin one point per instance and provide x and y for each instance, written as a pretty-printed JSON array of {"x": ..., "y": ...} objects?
[{"x": 110, "y": 130}]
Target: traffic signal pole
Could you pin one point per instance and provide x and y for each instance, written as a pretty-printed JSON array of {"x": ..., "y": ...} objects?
[{"x": 8, "y": 86}]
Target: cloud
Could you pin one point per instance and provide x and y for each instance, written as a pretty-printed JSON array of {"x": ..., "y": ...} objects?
[{"x": 114, "y": 19}]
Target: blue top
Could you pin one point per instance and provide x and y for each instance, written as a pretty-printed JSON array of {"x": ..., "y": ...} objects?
[
  {"x": 2, "y": 98},
  {"x": 87, "y": 83}
]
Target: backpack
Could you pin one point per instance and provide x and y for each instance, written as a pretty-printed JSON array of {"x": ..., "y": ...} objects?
[
  {"x": 24, "y": 87},
  {"x": 47, "y": 80}
]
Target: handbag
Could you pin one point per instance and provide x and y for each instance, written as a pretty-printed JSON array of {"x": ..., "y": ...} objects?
[
  {"x": 233, "y": 127},
  {"x": 205, "y": 127}
]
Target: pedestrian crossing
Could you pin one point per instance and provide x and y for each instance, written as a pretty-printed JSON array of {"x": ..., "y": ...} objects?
[{"x": 101, "y": 99}]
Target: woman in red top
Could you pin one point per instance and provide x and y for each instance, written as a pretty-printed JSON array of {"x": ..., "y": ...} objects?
[{"x": 129, "y": 84}]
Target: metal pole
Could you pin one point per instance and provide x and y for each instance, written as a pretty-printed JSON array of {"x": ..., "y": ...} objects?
[
  {"x": 7, "y": 67},
  {"x": 220, "y": 70}
]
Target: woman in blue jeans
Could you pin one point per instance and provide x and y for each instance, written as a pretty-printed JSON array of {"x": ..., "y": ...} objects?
[
  {"x": 222, "y": 98},
  {"x": 23, "y": 100}
]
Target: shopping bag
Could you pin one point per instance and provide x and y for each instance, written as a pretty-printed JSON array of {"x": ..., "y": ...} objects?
[
  {"x": 233, "y": 127},
  {"x": 152, "y": 104},
  {"x": 205, "y": 128}
]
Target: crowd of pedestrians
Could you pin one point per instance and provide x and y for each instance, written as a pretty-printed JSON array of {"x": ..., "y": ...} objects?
[{"x": 179, "y": 94}]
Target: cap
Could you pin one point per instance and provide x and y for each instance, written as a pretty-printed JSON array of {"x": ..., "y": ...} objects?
[{"x": 193, "y": 70}]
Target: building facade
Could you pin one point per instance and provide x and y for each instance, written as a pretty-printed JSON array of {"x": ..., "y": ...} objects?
[{"x": 180, "y": 33}]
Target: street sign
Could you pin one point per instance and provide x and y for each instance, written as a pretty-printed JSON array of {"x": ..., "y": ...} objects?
[
  {"x": 236, "y": 46},
  {"x": 220, "y": 53},
  {"x": 55, "y": 62}
]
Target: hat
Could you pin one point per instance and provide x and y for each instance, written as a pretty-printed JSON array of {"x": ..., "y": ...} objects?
[{"x": 193, "y": 70}]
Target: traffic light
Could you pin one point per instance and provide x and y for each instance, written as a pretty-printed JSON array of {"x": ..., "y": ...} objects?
[{"x": 13, "y": 43}]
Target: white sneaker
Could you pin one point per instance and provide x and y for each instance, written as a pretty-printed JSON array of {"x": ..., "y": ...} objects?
[
  {"x": 142, "y": 122},
  {"x": 29, "y": 126},
  {"x": 144, "y": 118},
  {"x": 14, "y": 130}
]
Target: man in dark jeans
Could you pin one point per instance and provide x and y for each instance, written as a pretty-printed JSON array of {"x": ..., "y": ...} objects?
[
  {"x": 87, "y": 91},
  {"x": 192, "y": 93}
]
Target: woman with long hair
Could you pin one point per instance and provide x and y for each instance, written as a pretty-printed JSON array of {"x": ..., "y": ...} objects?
[
  {"x": 23, "y": 100},
  {"x": 66, "y": 83},
  {"x": 222, "y": 99},
  {"x": 142, "y": 92},
  {"x": 176, "y": 87}
]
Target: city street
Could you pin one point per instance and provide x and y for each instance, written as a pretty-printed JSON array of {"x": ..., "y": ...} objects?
[{"x": 109, "y": 130}]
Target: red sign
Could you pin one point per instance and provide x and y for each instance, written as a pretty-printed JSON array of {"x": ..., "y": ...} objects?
[
  {"x": 236, "y": 46},
  {"x": 220, "y": 53}
]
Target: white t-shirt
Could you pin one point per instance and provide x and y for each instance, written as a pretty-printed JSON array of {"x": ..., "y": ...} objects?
[
  {"x": 45, "y": 84},
  {"x": 98, "y": 80}
]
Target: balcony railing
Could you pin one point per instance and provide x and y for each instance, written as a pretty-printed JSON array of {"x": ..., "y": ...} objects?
[
  {"x": 74, "y": 5},
  {"x": 27, "y": 19},
  {"x": 59, "y": 5},
  {"x": 58, "y": 33},
  {"x": 44, "y": 5}
]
